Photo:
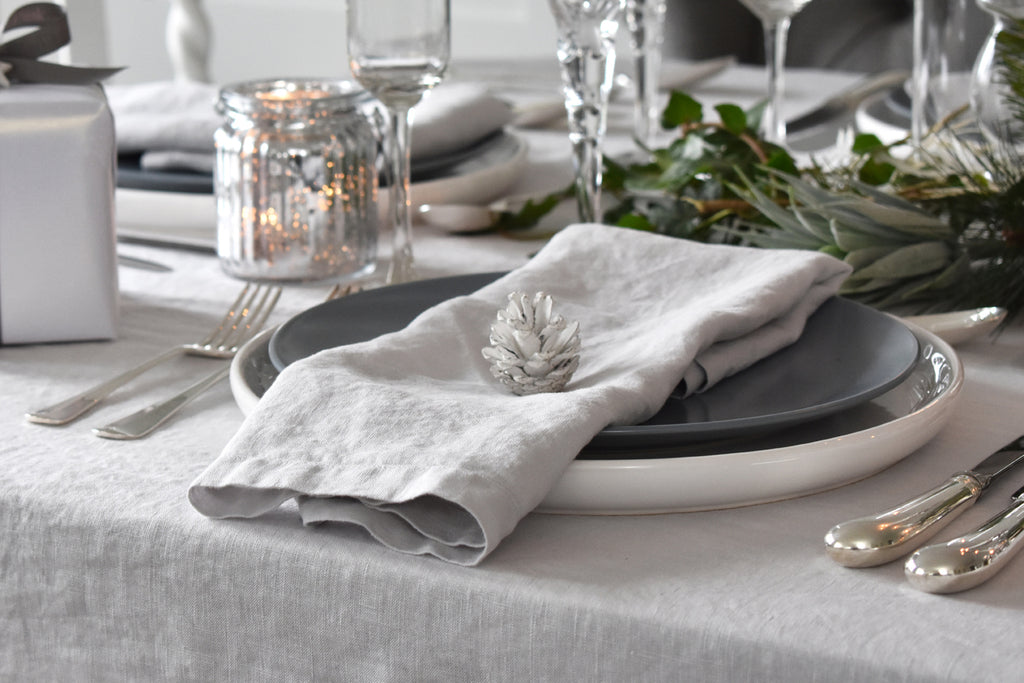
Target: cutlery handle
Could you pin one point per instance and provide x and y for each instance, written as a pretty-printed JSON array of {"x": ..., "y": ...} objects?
[
  {"x": 142, "y": 422},
  {"x": 970, "y": 560},
  {"x": 76, "y": 406},
  {"x": 874, "y": 540}
]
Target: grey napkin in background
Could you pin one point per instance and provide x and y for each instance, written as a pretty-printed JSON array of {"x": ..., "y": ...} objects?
[
  {"x": 172, "y": 123},
  {"x": 409, "y": 436}
]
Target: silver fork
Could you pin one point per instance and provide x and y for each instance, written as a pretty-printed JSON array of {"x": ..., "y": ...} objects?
[
  {"x": 244, "y": 318},
  {"x": 143, "y": 422}
]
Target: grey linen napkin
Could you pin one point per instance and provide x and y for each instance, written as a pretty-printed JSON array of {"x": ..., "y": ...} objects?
[
  {"x": 172, "y": 123},
  {"x": 409, "y": 436}
]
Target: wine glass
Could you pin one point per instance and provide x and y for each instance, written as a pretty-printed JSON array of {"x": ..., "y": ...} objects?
[
  {"x": 942, "y": 61},
  {"x": 645, "y": 22},
  {"x": 991, "y": 94},
  {"x": 586, "y": 53},
  {"x": 775, "y": 16},
  {"x": 398, "y": 49}
]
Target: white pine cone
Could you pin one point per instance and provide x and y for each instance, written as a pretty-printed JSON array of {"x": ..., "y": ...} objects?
[{"x": 533, "y": 349}]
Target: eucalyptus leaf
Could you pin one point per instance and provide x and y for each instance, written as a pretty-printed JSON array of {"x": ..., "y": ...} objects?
[
  {"x": 860, "y": 286},
  {"x": 860, "y": 258},
  {"x": 815, "y": 224},
  {"x": 915, "y": 259}
]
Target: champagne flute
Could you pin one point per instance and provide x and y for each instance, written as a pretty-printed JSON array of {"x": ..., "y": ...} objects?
[
  {"x": 775, "y": 16},
  {"x": 645, "y": 22},
  {"x": 586, "y": 52},
  {"x": 398, "y": 49}
]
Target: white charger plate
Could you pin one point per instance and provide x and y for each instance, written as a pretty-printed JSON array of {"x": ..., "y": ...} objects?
[
  {"x": 190, "y": 219},
  {"x": 805, "y": 459}
]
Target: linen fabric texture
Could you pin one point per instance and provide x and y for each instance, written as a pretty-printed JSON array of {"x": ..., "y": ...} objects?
[{"x": 409, "y": 436}]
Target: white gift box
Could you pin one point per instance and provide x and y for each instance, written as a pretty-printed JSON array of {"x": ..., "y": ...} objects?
[{"x": 58, "y": 259}]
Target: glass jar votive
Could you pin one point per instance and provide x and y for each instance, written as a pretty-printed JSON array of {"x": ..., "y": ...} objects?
[{"x": 296, "y": 181}]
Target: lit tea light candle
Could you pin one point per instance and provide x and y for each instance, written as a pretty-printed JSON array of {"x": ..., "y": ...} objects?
[{"x": 284, "y": 93}]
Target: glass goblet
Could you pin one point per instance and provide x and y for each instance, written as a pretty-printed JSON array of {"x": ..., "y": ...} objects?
[
  {"x": 586, "y": 53},
  {"x": 399, "y": 49},
  {"x": 775, "y": 16}
]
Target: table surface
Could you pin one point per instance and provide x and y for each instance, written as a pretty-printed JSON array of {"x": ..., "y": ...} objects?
[{"x": 107, "y": 573}]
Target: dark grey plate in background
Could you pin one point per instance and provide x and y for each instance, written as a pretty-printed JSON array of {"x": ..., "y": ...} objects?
[
  {"x": 847, "y": 355},
  {"x": 131, "y": 175}
]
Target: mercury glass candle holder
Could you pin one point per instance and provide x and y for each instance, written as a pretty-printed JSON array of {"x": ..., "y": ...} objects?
[{"x": 296, "y": 181}]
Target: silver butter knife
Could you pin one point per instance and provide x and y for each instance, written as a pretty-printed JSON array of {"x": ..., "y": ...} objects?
[
  {"x": 874, "y": 540},
  {"x": 972, "y": 559},
  {"x": 847, "y": 101}
]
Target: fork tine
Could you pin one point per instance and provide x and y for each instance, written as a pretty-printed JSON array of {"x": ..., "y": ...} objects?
[
  {"x": 238, "y": 316},
  {"x": 256, "y": 317},
  {"x": 226, "y": 321},
  {"x": 268, "y": 308}
]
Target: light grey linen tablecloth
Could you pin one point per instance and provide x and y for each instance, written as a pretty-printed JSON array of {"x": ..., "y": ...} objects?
[
  {"x": 107, "y": 573},
  {"x": 410, "y": 437}
]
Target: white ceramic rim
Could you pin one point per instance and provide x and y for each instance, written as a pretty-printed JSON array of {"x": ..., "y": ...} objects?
[{"x": 687, "y": 484}]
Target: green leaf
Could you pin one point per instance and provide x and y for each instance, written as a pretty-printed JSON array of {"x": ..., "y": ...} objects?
[
  {"x": 852, "y": 286},
  {"x": 861, "y": 258},
  {"x": 780, "y": 160},
  {"x": 755, "y": 114},
  {"x": 875, "y": 172},
  {"x": 815, "y": 226},
  {"x": 681, "y": 109},
  {"x": 733, "y": 118},
  {"x": 532, "y": 211},
  {"x": 914, "y": 222},
  {"x": 909, "y": 261},
  {"x": 635, "y": 221},
  {"x": 775, "y": 213},
  {"x": 865, "y": 143}
]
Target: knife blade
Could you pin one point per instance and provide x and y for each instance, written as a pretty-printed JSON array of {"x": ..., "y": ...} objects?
[
  {"x": 847, "y": 101},
  {"x": 142, "y": 264},
  {"x": 972, "y": 559},
  {"x": 877, "y": 539}
]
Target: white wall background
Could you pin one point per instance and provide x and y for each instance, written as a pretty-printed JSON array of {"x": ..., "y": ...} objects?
[{"x": 268, "y": 38}]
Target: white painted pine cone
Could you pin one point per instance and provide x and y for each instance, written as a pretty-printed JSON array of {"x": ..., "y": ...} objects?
[{"x": 533, "y": 349}]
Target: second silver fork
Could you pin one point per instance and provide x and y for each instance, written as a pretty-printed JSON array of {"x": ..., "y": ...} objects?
[
  {"x": 145, "y": 421},
  {"x": 247, "y": 314}
]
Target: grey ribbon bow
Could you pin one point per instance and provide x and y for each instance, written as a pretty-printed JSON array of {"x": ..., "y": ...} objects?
[{"x": 19, "y": 57}]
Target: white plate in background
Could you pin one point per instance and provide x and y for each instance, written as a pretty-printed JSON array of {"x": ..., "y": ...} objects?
[{"x": 190, "y": 219}]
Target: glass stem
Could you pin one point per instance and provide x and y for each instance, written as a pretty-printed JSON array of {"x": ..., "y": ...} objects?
[
  {"x": 402, "y": 268},
  {"x": 919, "y": 78},
  {"x": 587, "y": 75},
  {"x": 773, "y": 125},
  {"x": 645, "y": 21}
]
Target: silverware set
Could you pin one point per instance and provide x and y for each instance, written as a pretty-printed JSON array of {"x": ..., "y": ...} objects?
[
  {"x": 957, "y": 565},
  {"x": 244, "y": 319}
]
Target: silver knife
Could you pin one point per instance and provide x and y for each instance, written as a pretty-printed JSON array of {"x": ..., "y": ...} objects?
[
  {"x": 847, "y": 101},
  {"x": 874, "y": 540},
  {"x": 142, "y": 264},
  {"x": 972, "y": 559}
]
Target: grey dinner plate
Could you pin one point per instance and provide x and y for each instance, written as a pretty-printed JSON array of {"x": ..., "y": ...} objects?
[
  {"x": 848, "y": 354},
  {"x": 131, "y": 175}
]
